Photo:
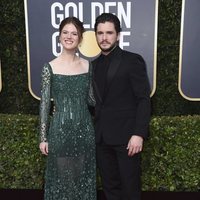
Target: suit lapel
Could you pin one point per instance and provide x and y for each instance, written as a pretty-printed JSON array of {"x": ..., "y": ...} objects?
[{"x": 114, "y": 66}]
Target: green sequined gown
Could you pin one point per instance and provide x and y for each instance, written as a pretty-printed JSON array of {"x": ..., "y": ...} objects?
[{"x": 71, "y": 170}]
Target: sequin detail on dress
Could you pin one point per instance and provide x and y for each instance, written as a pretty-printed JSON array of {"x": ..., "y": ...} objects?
[{"x": 71, "y": 170}]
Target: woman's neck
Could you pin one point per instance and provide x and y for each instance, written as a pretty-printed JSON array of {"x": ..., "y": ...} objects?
[{"x": 69, "y": 56}]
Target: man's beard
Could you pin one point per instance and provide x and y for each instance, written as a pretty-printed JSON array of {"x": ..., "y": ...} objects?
[{"x": 109, "y": 49}]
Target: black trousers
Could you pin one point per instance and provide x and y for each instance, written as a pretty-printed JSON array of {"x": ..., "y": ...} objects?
[{"x": 120, "y": 173}]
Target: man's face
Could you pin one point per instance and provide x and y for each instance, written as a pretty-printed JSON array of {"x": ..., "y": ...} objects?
[{"x": 106, "y": 36}]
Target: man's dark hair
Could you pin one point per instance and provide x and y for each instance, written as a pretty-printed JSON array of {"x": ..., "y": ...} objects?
[{"x": 108, "y": 17}]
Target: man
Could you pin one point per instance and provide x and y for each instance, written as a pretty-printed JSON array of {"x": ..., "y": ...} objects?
[{"x": 122, "y": 111}]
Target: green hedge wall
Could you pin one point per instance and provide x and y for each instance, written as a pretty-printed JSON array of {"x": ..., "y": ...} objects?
[
  {"x": 21, "y": 164},
  {"x": 167, "y": 99},
  {"x": 15, "y": 96},
  {"x": 170, "y": 158}
]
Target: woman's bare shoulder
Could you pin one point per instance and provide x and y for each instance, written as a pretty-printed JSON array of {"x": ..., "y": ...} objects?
[
  {"x": 54, "y": 61},
  {"x": 84, "y": 63}
]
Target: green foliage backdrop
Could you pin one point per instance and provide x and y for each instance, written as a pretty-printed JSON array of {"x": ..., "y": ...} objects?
[
  {"x": 21, "y": 163},
  {"x": 170, "y": 158},
  {"x": 167, "y": 99},
  {"x": 15, "y": 96}
]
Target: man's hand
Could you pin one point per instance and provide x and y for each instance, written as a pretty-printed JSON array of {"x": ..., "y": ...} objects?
[
  {"x": 44, "y": 148},
  {"x": 135, "y": 145}
]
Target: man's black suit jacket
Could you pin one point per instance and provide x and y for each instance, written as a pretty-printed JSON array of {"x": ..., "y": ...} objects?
[{"x": 124, "y": 109}]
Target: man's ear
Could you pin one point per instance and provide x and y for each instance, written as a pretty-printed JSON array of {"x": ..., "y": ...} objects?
[{"x": 118, "y": 37}]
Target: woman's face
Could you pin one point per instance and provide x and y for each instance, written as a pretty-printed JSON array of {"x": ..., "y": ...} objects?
[{"x": 69, "y": 37}]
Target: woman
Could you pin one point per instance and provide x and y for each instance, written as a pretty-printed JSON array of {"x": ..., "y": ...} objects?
[{"x": 69, "y": 138}]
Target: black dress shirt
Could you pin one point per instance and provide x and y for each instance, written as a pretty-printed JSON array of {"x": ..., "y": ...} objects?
[{"x": 102, "y": 69}]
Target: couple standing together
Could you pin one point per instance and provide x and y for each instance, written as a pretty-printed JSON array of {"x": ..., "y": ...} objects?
[{"x": 117, "y": 86}]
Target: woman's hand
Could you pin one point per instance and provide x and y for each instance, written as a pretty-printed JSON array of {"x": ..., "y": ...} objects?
[{"x": 44, "y": 148}]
